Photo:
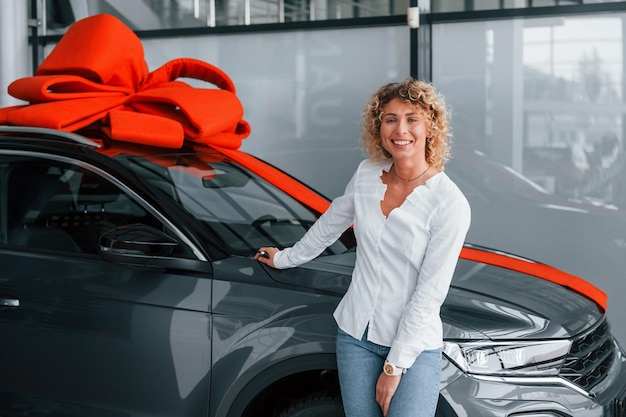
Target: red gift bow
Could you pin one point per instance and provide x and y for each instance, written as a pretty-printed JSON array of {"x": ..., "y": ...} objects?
[{"x": 97, "y": 76}]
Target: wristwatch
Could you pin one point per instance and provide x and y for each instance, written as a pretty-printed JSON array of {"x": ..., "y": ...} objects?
[{"x": 393, "y": 370}]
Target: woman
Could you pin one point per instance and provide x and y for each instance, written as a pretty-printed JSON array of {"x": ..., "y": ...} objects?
[{"x": 410, "y": 221}]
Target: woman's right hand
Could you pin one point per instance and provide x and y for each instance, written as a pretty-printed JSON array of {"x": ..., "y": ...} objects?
[
  {"x": 386, "y": 388},
  {"x": 265, "y": 255}
]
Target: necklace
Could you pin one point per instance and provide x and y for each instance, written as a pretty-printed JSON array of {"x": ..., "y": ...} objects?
[{"x": 393, "y": 168}]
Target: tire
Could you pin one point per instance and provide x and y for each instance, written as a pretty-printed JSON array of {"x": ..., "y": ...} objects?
[{"x": 315, "y": 406}]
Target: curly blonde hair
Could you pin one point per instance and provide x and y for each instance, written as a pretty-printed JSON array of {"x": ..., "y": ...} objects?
[{"x": 424, "y": 97}]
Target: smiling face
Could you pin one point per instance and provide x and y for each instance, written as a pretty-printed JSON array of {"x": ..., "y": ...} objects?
[{"x": 403, "y": 130}]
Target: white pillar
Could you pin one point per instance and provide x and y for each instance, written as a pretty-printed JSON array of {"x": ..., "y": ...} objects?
[{"x": 15, "y": 59}]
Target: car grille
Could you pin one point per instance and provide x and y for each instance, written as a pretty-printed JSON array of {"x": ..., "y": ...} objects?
[{"x": 590, "y": 357}]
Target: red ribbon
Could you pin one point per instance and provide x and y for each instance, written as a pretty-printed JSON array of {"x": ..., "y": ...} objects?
[
  {"x": 538, "y": 270},
  {"x": 96, "y": 76}
]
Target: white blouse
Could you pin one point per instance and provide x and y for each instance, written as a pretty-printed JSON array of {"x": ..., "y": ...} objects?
[{"x": 404, "y": 262}]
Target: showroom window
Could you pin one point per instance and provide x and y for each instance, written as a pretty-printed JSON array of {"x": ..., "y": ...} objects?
[{"x": 543, "y": 97}]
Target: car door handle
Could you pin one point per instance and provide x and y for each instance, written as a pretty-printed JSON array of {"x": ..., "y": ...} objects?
[{"x": 9, "y": 302}]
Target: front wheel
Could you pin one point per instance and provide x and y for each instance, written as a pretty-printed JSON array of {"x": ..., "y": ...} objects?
[{"x": 315, "y": 406}]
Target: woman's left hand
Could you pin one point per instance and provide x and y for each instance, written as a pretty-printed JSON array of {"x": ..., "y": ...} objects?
[{"x": 385, "y": 389}]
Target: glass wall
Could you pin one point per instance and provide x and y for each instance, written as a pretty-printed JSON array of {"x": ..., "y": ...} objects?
[
  {"x": 538, "y": 119},
  {"x": 303, "y": 92},
  {"x": 550, "y": 95}
]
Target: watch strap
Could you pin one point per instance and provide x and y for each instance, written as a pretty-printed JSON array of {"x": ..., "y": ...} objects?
[{"x": 392, "y": 370}]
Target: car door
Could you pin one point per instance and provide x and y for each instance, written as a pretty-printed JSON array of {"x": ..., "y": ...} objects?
[{"x": 83, "y": 336}]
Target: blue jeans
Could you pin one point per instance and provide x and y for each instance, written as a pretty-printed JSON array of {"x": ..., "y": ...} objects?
[{"x": 360, "y": 363}]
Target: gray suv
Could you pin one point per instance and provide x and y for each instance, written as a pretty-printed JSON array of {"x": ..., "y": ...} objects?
[{"x": 128, "y": 288}]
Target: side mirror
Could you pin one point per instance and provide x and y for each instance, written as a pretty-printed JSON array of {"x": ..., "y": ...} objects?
[
  {"x": 144, "y": 246},
  {"x": 137, "y": 240}
]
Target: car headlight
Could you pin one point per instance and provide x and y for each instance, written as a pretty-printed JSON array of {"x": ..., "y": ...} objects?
[{"x": 541, "y": 358}]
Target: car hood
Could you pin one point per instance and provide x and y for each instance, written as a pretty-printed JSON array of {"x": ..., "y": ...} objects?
[{"x": 484, "y": 301}]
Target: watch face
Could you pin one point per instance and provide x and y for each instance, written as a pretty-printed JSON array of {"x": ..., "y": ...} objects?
[{"x": 388, "y": 369}]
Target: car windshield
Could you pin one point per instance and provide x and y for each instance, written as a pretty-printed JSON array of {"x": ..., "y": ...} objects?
[{"x": 238, "y": 207}]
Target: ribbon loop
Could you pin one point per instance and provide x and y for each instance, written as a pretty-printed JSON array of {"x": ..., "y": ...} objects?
[{"x": 190, "y": 68}]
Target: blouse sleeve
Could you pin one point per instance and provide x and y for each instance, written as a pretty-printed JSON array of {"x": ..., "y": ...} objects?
[
  {"x": 449, "y": 228},
  {"x": 324, "y": 232}
]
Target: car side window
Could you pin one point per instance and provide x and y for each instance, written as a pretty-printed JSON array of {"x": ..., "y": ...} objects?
[{"x": 57, "y": 206}]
